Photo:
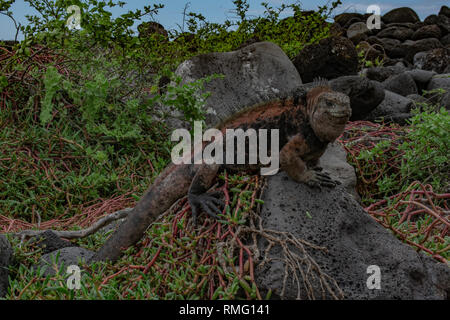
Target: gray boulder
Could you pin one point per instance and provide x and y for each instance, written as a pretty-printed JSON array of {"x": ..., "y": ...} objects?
[
  {"x": 439, "y": 81},
  {"x": 6, "y": 255},
  {"x": 344, "y": 18},
  {"x": 428, "y": 31},
  {"x": 431, "y": 19},
  {"x": 365, "y": 95},
  {"x": 49, "y": 242},
  {"x": 419, "y": 60},
  {"x": 394, "y": 108},
  {"x": 436, "y": 60},
  {"x": 446, "y": 40},
  {"x": 333, "y": 219},
  {"x": 402, "y": 84},
  {"x": 393, "y": 47},
  {"x": 418, "y": 100},
  {"x": 388, "y": 62},
  {"x": 445, "y": 101},
  {"x": 150, "y": 28},
  {"x": 408, "y": 25},
  {"x": 336, "y": 30},
  {"x": 330, "y": 58},
  {"x": 412, "y": 47},
  {"x": 416, "y": 26},
  {"x": 399, "y": 33},
  {"x": 253, "y": 75},
  {"x": 445, "y": 11},
  {"x": 357, "y": 32},
  {"x": 401, "y": 15},
  {"x": 352, "y": 21},
  {"x": 374, "y": 40},
  {"x": 421, "y": 77},
  {"x": 66, "y": 257},
  {"x": 381, "y": 74},
  {"x": 441, "y": 20},
  {"x": 371, "y": 53}
]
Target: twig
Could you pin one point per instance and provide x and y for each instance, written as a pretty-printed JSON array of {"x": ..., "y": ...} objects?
[{"x": 79, "y": 233}]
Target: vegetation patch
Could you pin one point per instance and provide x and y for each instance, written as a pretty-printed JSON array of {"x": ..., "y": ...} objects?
[{"x": 403, "y": 177}]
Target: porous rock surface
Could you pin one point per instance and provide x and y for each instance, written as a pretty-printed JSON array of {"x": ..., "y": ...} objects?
[
  {"x": 252, "y": 75},
  {"x": 64, "y": 257},
  {"x": 333, "y": 219},
  {"x": 6, "y": 255}
]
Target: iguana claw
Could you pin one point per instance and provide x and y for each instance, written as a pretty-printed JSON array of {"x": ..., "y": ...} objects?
[
  {"x": 206, "y": 202},
  {"x": 320, "y": 179}
]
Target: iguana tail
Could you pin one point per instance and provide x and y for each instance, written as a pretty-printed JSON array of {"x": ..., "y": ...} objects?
[{"x": 171, "y": 185}]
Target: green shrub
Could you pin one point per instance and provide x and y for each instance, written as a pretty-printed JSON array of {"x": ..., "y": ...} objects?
[
  {"x": 423, "y": 155},
  {"x": 427, "y": 153}
]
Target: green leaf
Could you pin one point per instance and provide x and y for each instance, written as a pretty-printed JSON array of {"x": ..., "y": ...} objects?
[
  {"x": 51, "y": 82},
  {"x": 3, "y": 82}
]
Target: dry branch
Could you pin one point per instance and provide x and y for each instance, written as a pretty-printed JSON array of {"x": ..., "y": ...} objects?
[{"x": 79, "y": 233}]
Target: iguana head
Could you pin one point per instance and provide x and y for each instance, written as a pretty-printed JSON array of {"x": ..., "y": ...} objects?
[{"x": 328, "y": 112}]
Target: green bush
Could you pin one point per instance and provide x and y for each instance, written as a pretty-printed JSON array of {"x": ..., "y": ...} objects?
[
  {"x": 423, "y": 155},
  {"x": 427, "y": 153}
]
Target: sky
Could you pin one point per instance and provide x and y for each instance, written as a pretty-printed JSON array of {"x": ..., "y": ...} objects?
[{"x": 219, "y": 10}]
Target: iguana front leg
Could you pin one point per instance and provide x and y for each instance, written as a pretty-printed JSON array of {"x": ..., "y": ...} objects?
[
  {"x": 197, "y": 196},
  {"x": 292, "y": 163}
]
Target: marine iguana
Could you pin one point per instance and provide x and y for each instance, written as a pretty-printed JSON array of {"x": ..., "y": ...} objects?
[{"x": 306, "y": 123}]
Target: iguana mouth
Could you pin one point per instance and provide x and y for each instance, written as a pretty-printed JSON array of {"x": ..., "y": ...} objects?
[{"x": 338, "y": 114}]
